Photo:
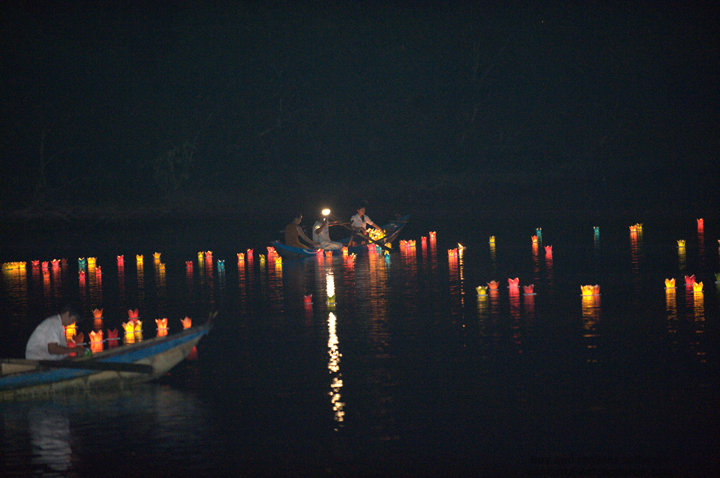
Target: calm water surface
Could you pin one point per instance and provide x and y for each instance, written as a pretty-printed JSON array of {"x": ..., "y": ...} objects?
[{"x": 408, "y": 371}]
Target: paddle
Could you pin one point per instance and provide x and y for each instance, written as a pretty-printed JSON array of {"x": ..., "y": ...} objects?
[{"x": 94, "y": 365}]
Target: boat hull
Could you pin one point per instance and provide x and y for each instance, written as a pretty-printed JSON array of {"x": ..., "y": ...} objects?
[
  {"x": 392, "y": 229},
  {"x": 28, "y": 379}
]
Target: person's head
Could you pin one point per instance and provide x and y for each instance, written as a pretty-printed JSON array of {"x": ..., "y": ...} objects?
[
  {"x": 298, "y": 218},
  {"x": 361, "y": 210},
  {"x": 69, "y": 315}
]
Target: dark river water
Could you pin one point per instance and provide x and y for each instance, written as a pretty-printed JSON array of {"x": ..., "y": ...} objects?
[{"x": 407, "y": 372}]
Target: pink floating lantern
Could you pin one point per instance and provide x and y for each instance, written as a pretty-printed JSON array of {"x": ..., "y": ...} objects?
[
  {"x": 514, "y": 283},
  {"x": 690, "y": 280},
  {"x": 121, "y": 260},
  {"x": 308, "y": 299},
  {"x": 423, "y": 241},
  {"x": 529, "y": 289}
]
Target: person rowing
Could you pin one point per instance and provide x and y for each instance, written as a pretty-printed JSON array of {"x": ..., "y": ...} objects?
[
  {"x": 359, "y": 222},
  {"x": 321, "y": 232}
]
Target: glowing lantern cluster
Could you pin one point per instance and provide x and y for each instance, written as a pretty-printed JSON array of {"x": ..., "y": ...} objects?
[
  {"x": 134, "y": 324},
  {"x": 590, "y": 289}
]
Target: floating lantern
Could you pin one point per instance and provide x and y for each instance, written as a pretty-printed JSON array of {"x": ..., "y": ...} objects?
[
  {"x": 249, "y": 254},
  {"x": 345, "y": 251},
  {"x": 82, "y": 275},
  {"x": 133, "y": 314},
  {"x": 139, "y": 258},
  {"x": 433, "y": 236},
  {"x": 97, "y": 313},
  {"x": 241, "y": 256},
  {"x": 96, "y": 341},
  {"x": 597, "y": 231},
  {"x": 98, "y": 271},
  {"x": 45, "y": 265},
  {"x": 132, "y": 326},
  {"x": 492, "y": 239},
  {"x": 698, "y": 287},
  {"x": 534, "y": 239},
  {"x": 162, "y": 327},
  {"x": 669, "y": 283},
  {"x": 633, "y": 229},
  {"x": 201, "y": 256},
  {"x": 548, "y": 251},
  {"x": 538, "y": 234},
  {"x": 55, "y": 263},
  {"x": 121, "y": 260},
  {"x": 70, "y": 331},
  {"x": 512, "y": 283},
  {"x": 112, "y": 338},
  {"x": 681, "y": 242},
  {"x": 35, "y": 264},
  {"x": 493, "y": 285},
  {"x": 156, "y": 256},
  {"x": 590, "y": 289},
  {"x": 82, "y": 263},
  {"x": 186, "y": 322},
  {"x": 189, "y": 265},
  {"x": 638, "y": 227},
  {"x": 689, "y": 280},
  {"x": 331, "y": 300},
  {"x": 208, "y": 255},
  {"x": 91, "y": 261},
  {"x": 328, "y": 253},
  {"x": 529, "y": 289},
  {"x": 423, "y": 241},
  {"x": 308, "y": 299},
  {"x": 221, "y": 265},
  {"x": 700, "y": 223},
  {"x": 481, "y": 290},
  {"x": 278, "y": 260}
]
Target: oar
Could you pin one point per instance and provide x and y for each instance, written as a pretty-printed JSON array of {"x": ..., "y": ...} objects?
[{"x": 95, "y": 365}]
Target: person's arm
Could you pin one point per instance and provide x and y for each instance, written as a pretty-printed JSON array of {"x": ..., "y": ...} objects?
[
  {"x": 302, "y": 234},
  {"x": 57, "y": 349}
]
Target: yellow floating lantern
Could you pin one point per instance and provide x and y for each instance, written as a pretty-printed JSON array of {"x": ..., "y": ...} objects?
[
  {"x": 139, "y": 258},
  {"x": 481, "y": 290},
  {"x": 670, "y": 283},
  {"x": 698, "y": 287},
  {"x": 492, "y": 239},
  {"x": 590, "y": 289},
  {"x": 681, "y": 242},
  {"x": 91, "y": 261},
  {"x": 156, "y": 256}
]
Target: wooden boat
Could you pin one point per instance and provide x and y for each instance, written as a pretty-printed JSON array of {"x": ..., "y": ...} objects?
[
  {"x": 116, "y": 367},
  {"x": 392, "y": 230}
]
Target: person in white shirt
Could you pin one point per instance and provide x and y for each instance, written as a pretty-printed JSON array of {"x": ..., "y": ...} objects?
[
  {"x": 48, "y": 341},
  {"x": 321, "y": 234},
  {"x": 360, "y": 222}
]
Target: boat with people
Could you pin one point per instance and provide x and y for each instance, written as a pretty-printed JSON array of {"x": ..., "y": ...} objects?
[
  {"x": 115, "y": 367},
  {"x": 384, "y": 242}
]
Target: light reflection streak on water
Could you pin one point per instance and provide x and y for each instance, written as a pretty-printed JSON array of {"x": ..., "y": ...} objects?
[
  {"x": 515, "y": 318},
  {"x": 591, "y": 320},
  {"x": 536, "y": 262},
  {"x": 671, "y": 311},
  {"x": 140, "y": 284},
  {"x": 701, "y": 246},
  {"x": 698, "y": 302},
  {"x": 682, "y": 258},
  {"x": 334, "y": 354}
]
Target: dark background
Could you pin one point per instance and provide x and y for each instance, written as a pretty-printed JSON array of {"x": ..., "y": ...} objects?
[{"x": 116, "y": 110}]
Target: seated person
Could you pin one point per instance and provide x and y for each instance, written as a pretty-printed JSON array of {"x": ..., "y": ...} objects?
[
  {"x": 293, "y": 234},
  {"x": 48, "y": 341},
  {"x": 359, "y": 222},
  {"x": 321, "y": 234}
]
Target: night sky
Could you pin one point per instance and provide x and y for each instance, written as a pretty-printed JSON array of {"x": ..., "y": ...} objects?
[{"x": 610, "y": 101}]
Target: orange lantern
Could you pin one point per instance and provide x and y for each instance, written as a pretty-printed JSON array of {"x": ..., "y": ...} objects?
[
  {"x": 96, "y": 341},
  {"x": 345, "y": 251},
  {"x": 669, "y": 283},
  {"x": 156, "y": 256},
  {"x": 493, "y": 285},
  {"x": 529, "y": 289},
  {"x": 139, "y": 258},
  {"x": 433, "y": 236},
  {"x": 698, "y": 287},
  {"x": 328, "y": 253},
  {"x": 97, "y": 313},
  {"x": 512, "y": 283},
  {"x": 162, "y": 329},
  {"x": 534, "y": 239},
  {"x": 186, "y": 322}
]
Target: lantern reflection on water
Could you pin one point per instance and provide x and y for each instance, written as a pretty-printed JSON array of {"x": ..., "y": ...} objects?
[{"x": 112, "y": 338}]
